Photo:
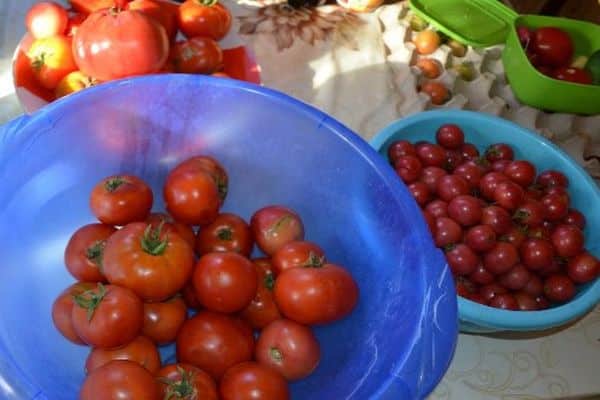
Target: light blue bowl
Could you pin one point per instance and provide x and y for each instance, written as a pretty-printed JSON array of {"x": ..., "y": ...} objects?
[{"x": 483, "y": 130}]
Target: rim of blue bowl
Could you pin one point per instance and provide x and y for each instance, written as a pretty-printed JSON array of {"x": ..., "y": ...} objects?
[
  {"x": 442, "y": 360},
  {"x": 490, "y": 317}
]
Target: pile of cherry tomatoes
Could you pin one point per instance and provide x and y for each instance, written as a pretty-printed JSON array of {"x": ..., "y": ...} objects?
[
  {"x": 99, "y": 41},
  {"x": 140, "y": 274},
  {"x": 509, "y": 235}
]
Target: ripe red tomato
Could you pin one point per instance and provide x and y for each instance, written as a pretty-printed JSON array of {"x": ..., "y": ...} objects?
[
  {"x": 447, "y": 232},
  {"x": 508, "y": 195},
  {"x": 431, "y": 154},
  {"x": 274, "y": 226},
  {"x": 516, "y": 278},
  {"x": 301, "y": 292},
  {"x": 51, "y": 60},
  {"x": 465, "y": 210},
  {"x": 262, "y": 310},
  {"x": 204, "y": 18},
  {"x": 400, "y": 148},
  {"x": 228, "y": 232},
  {"x": 469, "y": 151},
  {"x": 462, "y": 260},
  {"x": 408, "y": 168},
  {"x": 62, "y": 309},
  {"x": 537, "y": 254},
  {"x": 501, "y": 258},
  {"x": 89, "y": 6},
  {"x": 289, "y": 348},
  {"x": 521, "y": 172},
  {"x": 471, "y": 172},
  {"x": 84, "y": 252},
  {"x": 107, "y": 316},
  {"x": 253, "y": 381},
  {"x": 574, "y": 217},
  {"x": 481, "y": 276},
  {"x": 140, "y": 350},
  {"x": 559, "y": 288},
  {"x": 504, "y": 301},
  {"x": 572, "y": 74},
  {"x": 450, "y": 136},
  {"x": 553, "y": 46},
  {"x": 534, "y": 286},
  {"x": 163, "y": 320},
  {"x": 109, "y": 36},
  {"x": 497, "y": 218},
  {"x": 525, "y": 301},
  {"x": 152, "y": 263},
  {"x": 210, "y": 166},
  {"x": 530, "y": 213},
  {"x": 499, "y": 151},
  {"x": 567, "y": 240},
  {"x": 224, "y": 282},
  {"x": 420, "y": 192},
  {"x": 515, "y": 236},
  {"x": 583, "y": 268},
  {"x": 431, "y": 175},
  {"x": 119, "y": 379},
  {"x": 297, "y": 254},
  {"x": 437, "y": 92},
  {"x": 214, "y": 342},
  {"x": 163, "y": 14},
  {"x": 489, "y": 182},
  {"x": 170, "y": 225},
  {"x": 555, "y": 207},
  {"x": 437, "y": 208},
  {"x": 198, "y": 55},
  {"x": 488, "y": 292},
  {"x": 451, "y": 186},
  {"x": 46, "y": 19},
  {"x": 186, "y": 382},
  {"x": 551, "y": 178},
  {"x": 480, "y": 238},
  {"x": 121, "y": 199}
]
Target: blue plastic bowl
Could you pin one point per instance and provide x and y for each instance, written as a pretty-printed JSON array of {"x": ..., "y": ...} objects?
[
  {"x": 483, "y": 130},
  {"x": 398, "y": 342}
]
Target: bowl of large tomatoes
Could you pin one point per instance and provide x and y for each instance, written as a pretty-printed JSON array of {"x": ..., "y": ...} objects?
[
  {"x": 284, "y": 256},
  {"x": 512, "y": 213},
  {"x": 70, "y": 49}
]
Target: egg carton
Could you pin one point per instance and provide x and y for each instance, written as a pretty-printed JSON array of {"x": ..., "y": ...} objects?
[{"x": 488, "y": 91}]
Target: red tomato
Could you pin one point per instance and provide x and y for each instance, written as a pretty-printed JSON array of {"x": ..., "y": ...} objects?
[
  {"x": 289, "y": 348},
  {"x": 163, "y": 320},
  {"x": 186, "y": 382},
  {"x": 431, "y": 175},
  {"x": 262, "y": 310},
  {"x": 121, "y": 199},
  {"x": 451, "y": 186},
  {"x": 530, "y": 213},
  {"x": 297, "y": 254},
  {"x": 274, "y": 226},
  {"x": 161, "y": 13},
  {"x": 228, "y": 232},
  {"x": 465, "y": 209},
  {"x": 46, "y": 19},
  {"x": 408, "y": 168},
  {"x": 108, "y": 316},
  {"x": 536, "y": 254},
  {"x": 300, "y": 294},
  {"x": 481, "y": 276},
  {"x": 112, "y": 44},
  {"x": 431, "y": 155},
  {"x": 521, "y": 172},
  {"x": 62, "y": 309},
  {"x": 499, "y": 151},
  {"x": 555, "y": 207},
  {"x": 553, "y": 46},
  {"x": 469, "y": 151},
  {"x": 450, "y": 136},
  {"x": 224, "y": 282},
  {"x": 51, "y": 60},
  {"x": 583, "y": 268},
  {"x": 84, "y": 252},
  {"x": 515, "y": 236},
  {"x": 574, "y": 217},
  {"x": 525, "y": 301},
  {"x": 214, "y": 342},
  {"x": 497, "y": 218},
  {"x": 567, "y": 240},
  {"x": 75, "y": 22},
  {"x": 516, "y": 278},
  {"x": 253, "y": 381},
  {"x": 400, "y": 148},
  {"x": 504, "y": 301},
  {"x": 552, "y": 178},
  {"x": 437, "y": 208},
  {"x": 152, "y": 263},
  {"x": 559, "y": 288},
  {"x": 480, "y": 238},
  {"x": 471, "y": 172},
  {"x": 462, "y": 260},
  {"x": 572, "y": 74},
  {"x": 119, "y": 379},
  {"x": 447, "y": 232},
  {"x": 501, "y": 258},
  {"x": 198, "y": 55},
  {"x": 508, "y": 195},
  {"x": 204, "y": 18},
  {"x": 140, "y": 350},
  {"x": 212, "y": 167},
  {"x": 170, "y": 225}
]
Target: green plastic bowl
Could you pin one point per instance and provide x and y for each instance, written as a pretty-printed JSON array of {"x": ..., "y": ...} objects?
[{"x": 538, "y": 90}]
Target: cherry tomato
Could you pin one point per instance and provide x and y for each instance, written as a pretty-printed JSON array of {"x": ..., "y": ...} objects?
[
  {"x": 447, "y": 232},
  {"x": 107, "y": 316},
  {"x": 480, "y": 238},
  {"x": 198, "y": 55},
  {"x": 437, "y": 208},
  {"x": 109, "y": 36},
  {"x": 274, "y": 226},
  {"x": 450, "y": 136},
  {"x": 559, "y": 288},
  {"x": 504, "y": 301},
  {"x": 163, "y": 320},
  {"x": 489, "y": 182},
  {"x": 525, "y": 301},
  {"x": 574, "y": 217},
  {"x": 451, "y": 186},
  {"x": 488, "y": 292},
  {"x": 297, "y": 254},
  {"x": 214, "y": 342},
  {"x": 555, "y": 207},
  {"x": 516, "y": 278},
  {"x": 120, "y": 379},
  {"x": 301, "y": 292},
  {"x": 534, "y": 286},
  {"x": 73, "y": 82},
  {"x": 420, "y": 192},
  {"x": 465, "y": 210},
  {"x": 497, "y": 218},
  {"x": 553, "y": 46},
  {"x": 228, "y": 232},
  {"x": 542, "y": 302},
  {"x": 573, "y": 74},
  {"x": 209, "y": 165},
  {"x": 529, "y": 213},
  {"x": 121, "y": 199},
  {"x": 162, "y": 14},
  {"x": 481, "y": 276},
  {"x": 429, "y": 67},
  {"x": 206, "y": 18},
  {"x": 471, "y": 172},
  {"x": 551, "y": 178},
  {"x": 536, "y": 254},
  {"x": 400, "y": 148},
  {"x": 515, "y": 236},
  {"x": 51, "y": 60},
  {"x": 500, "y": 165},
  {"x": 437, "y": 92},
  {"x": 253, "y": 381},
  {"x": 186, "y": 382},
  {"x": 262, "y": 310},
  {"x": 583, "y": 268},
  {"x": 427, "y": 41},
  {"x": 84, "y": 252},
  {"x": 567, "y": 240},
  {"x": 289, "y": 348},
  {"x": 521, "y": 172},
  {"x": 554, "y": 267},
  {"x": 499, "y": 151},
  {"x": 431, "y": 175},
  {"x": 560, "y": 191},
  {"x": 453, "y": 159},
  {"x": 525, "y": 35},
  {"x": 46, "y": 19},
  {"x": 140, "y": 350},
  {"x": 224, "y": 282},
  {"x": 469, "y": 151},
  {"x": 408, "y": 168},
  {"x": 462, "y": 260},
  {"x": 62, "y": 309},
  {"x": 169, "y": 225},
  {"x": 464, "y": 287},
  {"x": 501, "y": 258},
  {"x": 431, "y": 154},
  {"x": 508, "y": 195},
  {"x": 149, "y": 261}
]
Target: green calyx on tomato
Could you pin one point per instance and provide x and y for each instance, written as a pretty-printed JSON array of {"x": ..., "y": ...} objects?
[
  {"x": 449, "y": 247},
  {"x": 314, "y": 261},
  {"x": 95, "y": 251},
  {"x": 207, "y": 3},
  {"x": 181, "y": 389},
  {"x": 39, "y": 61},
  {"x": 90, "y": 300},
  {"x": 225, "y": 234},
  {"x": 113, "y": 184},
  {"x": 269, "y": 281},
  {"x": 151, "y": 241},
  {"x": 276, "y": 354}
]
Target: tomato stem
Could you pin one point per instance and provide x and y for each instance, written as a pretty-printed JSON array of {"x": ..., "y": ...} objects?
[
  {"x": 314, "y": 261},
  {"x": 90, "y": 300},
  {"x": 151, "y": 241},
  {"x": 182, "y": 388},
  {"x": 269, "y": 281},
  {"x": 207, "y": 3},
  {"x": 94, "y": 253},
  {"x": 225, "y": 234},
  {"x": 113, "y": 183},
  {"x": 276, "y": 354}
]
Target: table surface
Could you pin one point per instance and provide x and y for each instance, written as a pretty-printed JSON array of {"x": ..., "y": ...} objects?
[{"x": 503, "y": 366}]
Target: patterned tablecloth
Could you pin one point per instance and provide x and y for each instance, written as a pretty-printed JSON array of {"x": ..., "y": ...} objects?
[{"x": 359, "y": 69}]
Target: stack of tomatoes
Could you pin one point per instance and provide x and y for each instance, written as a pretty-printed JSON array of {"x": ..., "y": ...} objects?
[
  {"x": 139, "y": 273},
  {"x": 510, "y": 238},
  {"x": 99, "y": 41}
]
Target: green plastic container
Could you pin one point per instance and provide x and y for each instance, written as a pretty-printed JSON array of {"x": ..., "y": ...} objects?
[{"x": 483, "y": 23}]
